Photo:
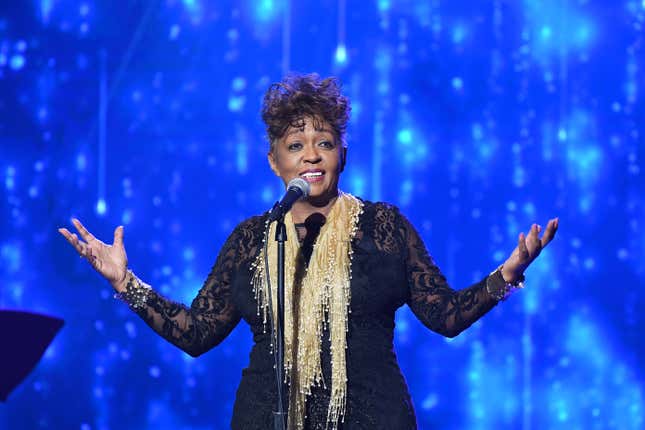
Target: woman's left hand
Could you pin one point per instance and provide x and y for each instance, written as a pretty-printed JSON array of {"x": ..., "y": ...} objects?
[{"x": 527, "y": 250}]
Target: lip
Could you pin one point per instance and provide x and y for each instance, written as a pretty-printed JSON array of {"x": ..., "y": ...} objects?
[{"x": 313, "y": 179}]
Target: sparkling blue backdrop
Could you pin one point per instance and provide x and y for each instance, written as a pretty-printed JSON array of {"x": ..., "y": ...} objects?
[{"x": 476, "y": 118}]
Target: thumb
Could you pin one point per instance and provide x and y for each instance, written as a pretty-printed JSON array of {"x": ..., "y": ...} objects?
[{"x": 118, "y": 236}]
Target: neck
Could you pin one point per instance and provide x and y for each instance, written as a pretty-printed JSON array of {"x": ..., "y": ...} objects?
[{"x": 303, "y": 209}]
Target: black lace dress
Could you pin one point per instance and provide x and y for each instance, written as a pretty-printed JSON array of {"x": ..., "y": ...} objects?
[{"x": 390, "y": 267}]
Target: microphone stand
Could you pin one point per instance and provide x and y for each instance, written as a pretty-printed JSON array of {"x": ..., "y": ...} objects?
[{"x": 279, "y": 417}]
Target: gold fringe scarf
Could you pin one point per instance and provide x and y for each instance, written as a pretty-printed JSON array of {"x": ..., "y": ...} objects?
[{"x": 321, "y": 300}]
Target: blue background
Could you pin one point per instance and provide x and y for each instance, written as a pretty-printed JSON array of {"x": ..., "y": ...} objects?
[{"x": 476, "y": 118}]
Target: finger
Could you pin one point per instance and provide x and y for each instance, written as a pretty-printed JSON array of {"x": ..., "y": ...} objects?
[
  {"x": 65, "y": 233},
  {"x": 549, "y": 233},
  {"x": 532, "y": 239},
  {"x": 68, "y": 236},
  {"x": 521, "y": 247},
  {"x": 71, "y": 238},
  {"x": 86, "y": 235},
  {"x": 80, "y": 246},
  {"x": 91, "y": 257},
  {"x": 118, "y": 236}
]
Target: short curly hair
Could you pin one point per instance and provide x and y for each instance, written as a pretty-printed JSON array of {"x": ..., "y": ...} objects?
[{"x": 287, "y": 103}]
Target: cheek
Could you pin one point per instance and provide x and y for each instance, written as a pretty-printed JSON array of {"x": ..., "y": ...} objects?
[
  {"x": 273, "y": 164},
  {"x": 341, "y": 162},
  {"x": 285, "y": 166}
]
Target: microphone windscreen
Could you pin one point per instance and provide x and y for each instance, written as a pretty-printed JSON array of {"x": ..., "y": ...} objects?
[{"x": 300, "y": 184}]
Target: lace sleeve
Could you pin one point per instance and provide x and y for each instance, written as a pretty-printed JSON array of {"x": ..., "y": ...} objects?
[
  {"x": 212, "y": 314},
  {"x": 439, "y": 307}
]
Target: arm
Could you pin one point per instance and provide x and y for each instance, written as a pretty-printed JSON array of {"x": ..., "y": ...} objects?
[
  {"x": 211, "y": 315},
  {"x": 439, "y": 307},
  {"x": 450, "y": 312}
]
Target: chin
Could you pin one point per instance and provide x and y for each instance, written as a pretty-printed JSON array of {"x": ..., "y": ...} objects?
[{"x": 317, "y": 196}]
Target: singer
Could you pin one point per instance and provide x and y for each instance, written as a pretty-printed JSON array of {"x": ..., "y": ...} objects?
[{"x": 350, "y": 264}]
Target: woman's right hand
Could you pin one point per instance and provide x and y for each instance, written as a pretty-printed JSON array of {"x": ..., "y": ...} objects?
[{"x": 109, "y": 260}]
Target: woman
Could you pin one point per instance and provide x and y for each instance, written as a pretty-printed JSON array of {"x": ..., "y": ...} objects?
[{"x": 350, "y": 264}]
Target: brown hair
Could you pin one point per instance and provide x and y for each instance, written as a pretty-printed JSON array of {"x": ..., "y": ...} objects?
[{"x": 288, "y": 102}]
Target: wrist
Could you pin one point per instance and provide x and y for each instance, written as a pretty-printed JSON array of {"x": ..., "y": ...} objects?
[
  {"x": 120, "y": 285},
  {"x": 510, "y": 277},
  {"x": 135, "y": 293},
  {"x": 499, "y": 288}
]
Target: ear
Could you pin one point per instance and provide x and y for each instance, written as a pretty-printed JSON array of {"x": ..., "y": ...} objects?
[
  {"x": 272, "y": 163},
  {"x": 343, "y": 158}
]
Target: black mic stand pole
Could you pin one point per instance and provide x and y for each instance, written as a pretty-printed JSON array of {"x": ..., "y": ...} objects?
[{"x": 280, "y": 418}]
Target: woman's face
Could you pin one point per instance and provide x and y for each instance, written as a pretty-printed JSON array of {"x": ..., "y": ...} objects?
[{"x": 313, "y": 155}]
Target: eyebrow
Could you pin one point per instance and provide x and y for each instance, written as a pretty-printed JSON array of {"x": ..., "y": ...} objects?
[{"x": 300, "y": 130}]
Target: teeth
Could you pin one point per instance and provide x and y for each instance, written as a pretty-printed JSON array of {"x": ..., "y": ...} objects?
[{"x": 311, "y": 174}]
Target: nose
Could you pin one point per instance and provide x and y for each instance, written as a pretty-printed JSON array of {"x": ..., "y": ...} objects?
[{"x": 311, "y": 155}]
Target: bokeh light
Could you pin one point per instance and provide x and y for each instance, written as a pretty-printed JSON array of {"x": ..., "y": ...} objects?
[{"x": 475, "y": 118}]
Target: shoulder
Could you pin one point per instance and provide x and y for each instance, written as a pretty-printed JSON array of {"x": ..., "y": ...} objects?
[
  {"x": 247, "y": 231},
  {"x": 386, "y": 216},
  {"x": 384, "y": 224},
  {"x": 250, "y": 228},
  {"x": 381, "y": 211},
  {"x": 246, "y": 238},
  {"x": 371, "y": 206},
  {"x": 253, "y": 222}
]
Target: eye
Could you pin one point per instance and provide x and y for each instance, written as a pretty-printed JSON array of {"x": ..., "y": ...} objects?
[
  {"x": 327, "y": 144},
  {"x": 294, "y": 146}
]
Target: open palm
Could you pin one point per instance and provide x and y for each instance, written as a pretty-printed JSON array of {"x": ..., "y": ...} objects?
[
  {"x": 528, "y": 248},
  {"x": 110, "y": 261}
]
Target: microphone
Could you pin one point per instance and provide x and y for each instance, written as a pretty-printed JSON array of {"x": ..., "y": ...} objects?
[{"x": 297, "y": 188}]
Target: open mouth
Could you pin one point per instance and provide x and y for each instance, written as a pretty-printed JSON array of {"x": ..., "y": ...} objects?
[{"x": 313, "y": 175}]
